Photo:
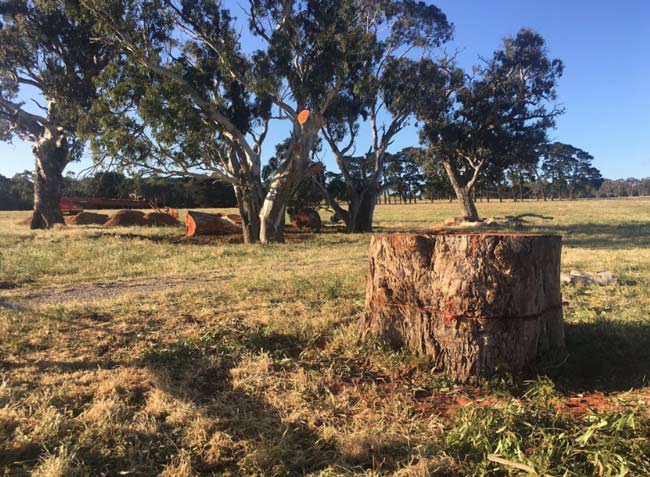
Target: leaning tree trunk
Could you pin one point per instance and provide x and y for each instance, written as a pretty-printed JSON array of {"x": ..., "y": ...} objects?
[
  {"x": 477, "y": 304},
  {"x": 272, "y": 214},
  {"x": 464, "y": 194},
  {"x": 470, "y": 213},
  {"x": 51, "y": 154},
  {"x": 290, "y": 173}
]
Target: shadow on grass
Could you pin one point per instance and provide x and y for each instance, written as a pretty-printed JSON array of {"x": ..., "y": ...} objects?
[
  {"x": 200, "y": 373},
  {"x": 606, "y": 236},
  {"x": 291, "y": 236},
  {"x": 209, "y": 240},
  {"x": 251, "y": 435},
  {"x": 605, "y": 356}
]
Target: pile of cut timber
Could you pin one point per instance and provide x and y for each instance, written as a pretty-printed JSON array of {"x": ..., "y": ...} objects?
[
  {"x": 306, "y": 219},
  {"x": 86, "y": 218},
  {"x": 159, "y": 219},
  {"x": 127, "y": 218},
  {"x": 476, "y": 303},
  {"x": 200, "y": 223}
]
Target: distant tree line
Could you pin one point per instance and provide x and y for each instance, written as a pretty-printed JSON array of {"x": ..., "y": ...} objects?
[
  {"x": 555, "y": 172},
  {"x": 408, "y": 179},
  {"x": 630, "y": 187},
  {"x": 17, "y": 193}
]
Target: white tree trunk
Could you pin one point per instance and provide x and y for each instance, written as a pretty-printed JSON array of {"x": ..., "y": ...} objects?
[
  {"x": 51, "y": 155},
  {"x": 291, "y": 171}
]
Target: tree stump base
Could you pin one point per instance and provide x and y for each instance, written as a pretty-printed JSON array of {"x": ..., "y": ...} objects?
[{"x": 478, "y": 304}]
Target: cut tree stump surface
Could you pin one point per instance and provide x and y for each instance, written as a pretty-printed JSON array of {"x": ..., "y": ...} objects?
[{"x": 477, "y": 303}]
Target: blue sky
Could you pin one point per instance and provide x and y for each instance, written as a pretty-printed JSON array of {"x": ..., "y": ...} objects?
[{"x": 605, "y": 89}]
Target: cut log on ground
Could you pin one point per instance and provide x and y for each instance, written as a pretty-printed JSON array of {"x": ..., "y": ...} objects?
[
  {"x": 161, "y": 219},
  {"x": 459, "y": 223},
  {"x": 234, "y": 218},
  {"x": 306, "y": 219},
  {"x": 200, "y": 223},
  {"x": 477, "y": 303},
  {"x": 127, "y": 218},
  {"x": 86, "y": 218}
]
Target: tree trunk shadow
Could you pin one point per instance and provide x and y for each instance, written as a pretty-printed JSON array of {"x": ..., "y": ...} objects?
[
  {"x": 267, "y": 440},
  {"x": 606, "y": 356},
  {"x": 619, "y": 236}
]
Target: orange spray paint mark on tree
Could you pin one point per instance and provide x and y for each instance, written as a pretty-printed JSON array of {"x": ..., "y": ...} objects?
[{"x": 303, "y": 116}]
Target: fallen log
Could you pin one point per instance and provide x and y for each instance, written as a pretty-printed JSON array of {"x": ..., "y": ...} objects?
[
  {"x": 477, "y": 303},
  {"x": 161, "y": 219},
  {"x": 459, "y": 223},
  {"x": 200, "y": 223},
  {"x": 86, "y": 218},
  {"x": 126, "y": 218},
  {"x": 306, "y": 219},
  {"x": 234, "y": 218}
]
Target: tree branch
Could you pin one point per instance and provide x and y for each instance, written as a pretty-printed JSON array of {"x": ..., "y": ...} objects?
[{"x": 29, "y": 123}]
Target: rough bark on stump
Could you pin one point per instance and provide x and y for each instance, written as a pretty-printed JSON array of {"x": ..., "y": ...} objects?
[{"x": 478, "y": 304}]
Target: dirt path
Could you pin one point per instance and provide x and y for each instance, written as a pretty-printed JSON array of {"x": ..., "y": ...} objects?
[
  {"x": 85, "y": 293},
  {"x": 100, "y": 291}
]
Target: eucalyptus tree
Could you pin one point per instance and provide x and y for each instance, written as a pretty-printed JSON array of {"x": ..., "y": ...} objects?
[
  {"x": 436, "y": 184},
  {"x": 151, "y": 126},
  {"x": 519, "y": 162},
  {"x": 49, "y": 58},
  {"x": 568, "y": 169},
  {"x": 504, "y": 108},
  {"x": 404, "y": 175},
  {"x": 391, "y": 85},
  {"x": 303, "y": 63}
]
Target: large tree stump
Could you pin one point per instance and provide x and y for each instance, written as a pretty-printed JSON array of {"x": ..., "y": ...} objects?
[{"x": 477, "y": 303}]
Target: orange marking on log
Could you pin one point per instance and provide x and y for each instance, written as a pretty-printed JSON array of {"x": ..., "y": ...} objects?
[{"x": 450, "y": 316}]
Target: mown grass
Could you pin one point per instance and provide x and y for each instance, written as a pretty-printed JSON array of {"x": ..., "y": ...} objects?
[{"x": 260, "y": 373}]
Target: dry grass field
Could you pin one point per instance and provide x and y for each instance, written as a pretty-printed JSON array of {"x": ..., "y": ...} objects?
[{"x": 138, "y": 352}]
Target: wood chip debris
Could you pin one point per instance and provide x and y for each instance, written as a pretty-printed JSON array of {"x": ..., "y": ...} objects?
[{"x": 589, "y": 278}]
